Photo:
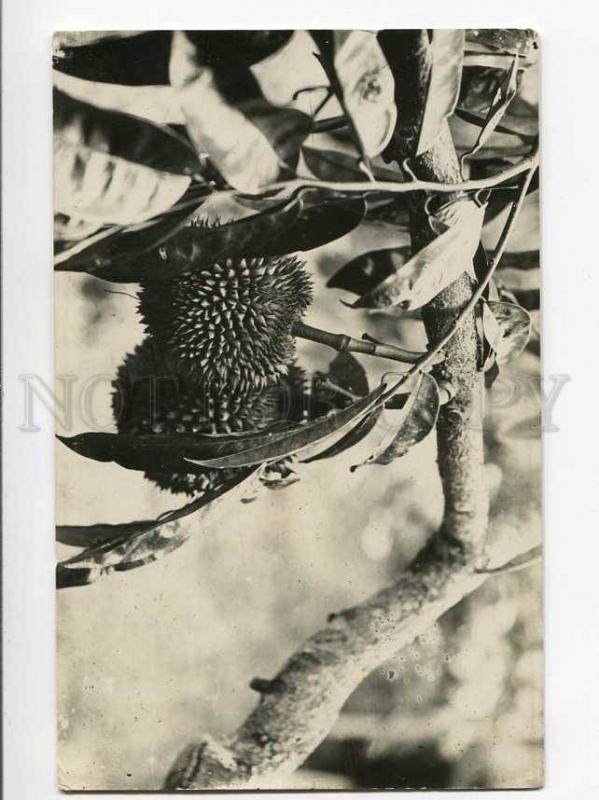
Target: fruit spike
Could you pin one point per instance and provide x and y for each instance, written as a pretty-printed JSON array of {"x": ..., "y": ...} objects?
[
  {"x": 229, "y": 323},
  {"x": 152, "y": 394}
]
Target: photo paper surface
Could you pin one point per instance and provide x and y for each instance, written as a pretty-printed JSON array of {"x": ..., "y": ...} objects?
[{"x": 299, "y": 435}]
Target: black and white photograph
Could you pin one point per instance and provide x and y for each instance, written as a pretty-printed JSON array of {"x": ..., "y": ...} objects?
[
  {"x": 298, "y": 454},
  {"x": 298, "y": 487}
]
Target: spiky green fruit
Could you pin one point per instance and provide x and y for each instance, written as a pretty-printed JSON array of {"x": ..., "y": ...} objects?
[
  {"x": 152, "y": 393},
  {"x": 230, "y": 323}
]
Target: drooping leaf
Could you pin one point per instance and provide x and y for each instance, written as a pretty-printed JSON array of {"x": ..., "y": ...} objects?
[
  {"x": 334, "y": 165},
  {"x": 309, "y": 219},
  {"x": 411, "y": 424},
  {"x": 125, "y": 547},
  {"x": 365, "y": 272},
  {"x": 444, "y": 84},
  {"x": 99, "y": 169},
  {"x": 299, "y": 439},
  {"x": 507, "y": 329},
  {"x": 468, "y": 116},
  {"x": 93, "y": 535},
  {"x": 502, "y": 99},
  {"x": 367, "y": 87},
  {"x": 160, "y": 452},
  {"x": 529, "y": 299},
  {"x": 139, "y": 60},
  {"x": 128, "y": 245},
  {"x": 351, "y": 438},
  {"x": 158, "y": 104},
  {"x": 124, "y": 136},
  {"x": 216, "y": 48},
  {"x": 360, "y": 77},
  {"x": 250, "y": 142},
  {"x": 525, "y": 260},
  {"x": 409, "y": 55},
  {"x": 434, "y": 267}
]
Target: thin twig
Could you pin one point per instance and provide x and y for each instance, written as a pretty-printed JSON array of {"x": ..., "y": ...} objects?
[
  {"x": 391, "y": 187},
  {"x": 347, "y": 344},
  {"x": 532, "y": 556}
]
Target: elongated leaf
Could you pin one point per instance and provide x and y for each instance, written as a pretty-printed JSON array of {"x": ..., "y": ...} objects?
[
  {"x": 92, "y": 178},
  {"x": 434, "y": 267},
  {"x": 309, "y": 219},
  {"x": 124, "y": 136},
  {"x": 245, "y": 47},
  {"x": 162, "y": 452},
  {"x": 297, "y": 440},
  {"x": 468, "y": 116},
  {"x": 416, "y": 420},
  {"x": 140, "y": 60},
  {"x": 367, "y": 87},
  {"x": 128, "y": 245},
  {"x": 503, "y": 97},
  {"x": 525, "y": 260},
  {"x": 364, "y": 273},
  {"x": 156, "y": 103},
  {"x": 334, "y": 165},
  {"x": 249, "y": 141},
  {"x": 134, "y": 544},
  {"x": 444, "y": 84},
  {"x": 93, "y": 535},
  {"x": 351, "y": 438},
  {"x": 507, "y": 329}
]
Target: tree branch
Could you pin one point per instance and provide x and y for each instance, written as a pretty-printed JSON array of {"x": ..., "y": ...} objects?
[
  {"x": 347, "y": 344},
  {"x": 300, "y": 705}
]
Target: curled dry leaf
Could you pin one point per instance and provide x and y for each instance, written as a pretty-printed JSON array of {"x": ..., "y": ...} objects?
[
  {"x": 502, "y": 99},
  {"x": 411, "y": 424},
  {"x": 115, "y": 169},
  {"x": 434, "y": 267},
  {"x": 131, "y": 545},
  {"x": 444, "y": 84},
  {"x": 249, "y": 146},
  {"x": 507, "y": 329}
]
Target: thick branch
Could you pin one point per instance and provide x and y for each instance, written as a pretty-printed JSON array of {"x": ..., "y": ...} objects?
[
  {"x": 459, "y": 435},
  {"x": 299, "y": 707}
]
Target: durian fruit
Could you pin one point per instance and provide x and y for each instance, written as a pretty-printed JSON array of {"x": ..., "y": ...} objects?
[
  {"x": 153, "y": 394},
  {"x": 229, "y": 323}
]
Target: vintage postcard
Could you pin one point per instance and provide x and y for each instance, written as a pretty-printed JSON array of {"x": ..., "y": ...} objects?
[{"x": 299, "y": 439}]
